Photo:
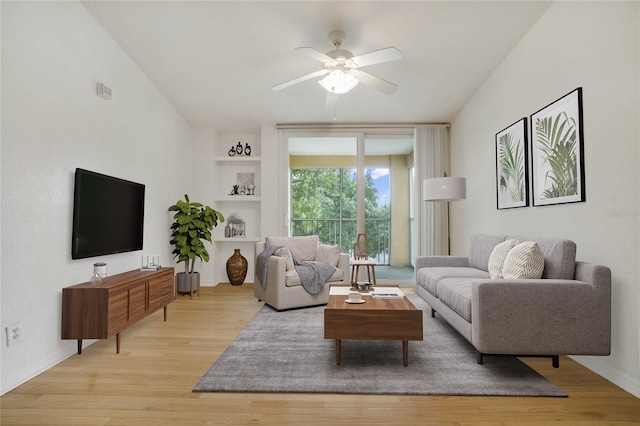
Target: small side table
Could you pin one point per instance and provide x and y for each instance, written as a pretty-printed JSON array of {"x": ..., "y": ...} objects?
[{"x": 369, "y": 264}]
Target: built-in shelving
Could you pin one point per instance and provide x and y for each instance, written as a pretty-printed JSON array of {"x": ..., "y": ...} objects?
[
  {"x": 237, "y": 159},
  {"x": 226, "y": 170},
  {"x": 238, "y": 198}
]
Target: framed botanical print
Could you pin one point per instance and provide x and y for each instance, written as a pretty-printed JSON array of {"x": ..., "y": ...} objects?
[
  {"x": 557, "y": 152},
  {"x": 512, "y": 185}
]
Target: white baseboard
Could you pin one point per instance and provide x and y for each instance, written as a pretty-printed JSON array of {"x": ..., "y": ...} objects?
[
  {"x": 599, "y": 366},
  {"x": 19, "y": 377}
]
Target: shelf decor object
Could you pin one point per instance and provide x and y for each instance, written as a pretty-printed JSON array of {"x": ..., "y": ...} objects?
[
  {"x": 237, "y": 268},
  {"x": 557, "y": 147},
  {"x": 512, "y": 184}
]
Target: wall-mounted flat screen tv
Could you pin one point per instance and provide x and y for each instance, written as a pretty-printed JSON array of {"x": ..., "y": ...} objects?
[{"x": 108, "y": 215}]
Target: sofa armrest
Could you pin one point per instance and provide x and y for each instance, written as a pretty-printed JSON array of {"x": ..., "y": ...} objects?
[{"x": 546, "y": 317}]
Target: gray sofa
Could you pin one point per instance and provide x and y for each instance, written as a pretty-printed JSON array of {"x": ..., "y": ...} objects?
[{"x": 566, "y": 312}]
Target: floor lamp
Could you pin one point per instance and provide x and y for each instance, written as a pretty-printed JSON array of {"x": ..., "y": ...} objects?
[{"x": 445, "y": 189}]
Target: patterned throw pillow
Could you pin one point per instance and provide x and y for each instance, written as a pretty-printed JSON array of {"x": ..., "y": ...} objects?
[
  {"x": 498, "y": 256},
  {"x": 524, "y": 261}
]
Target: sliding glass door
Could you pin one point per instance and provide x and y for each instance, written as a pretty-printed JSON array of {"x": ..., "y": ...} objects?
[{"x": 344, "y": 185}]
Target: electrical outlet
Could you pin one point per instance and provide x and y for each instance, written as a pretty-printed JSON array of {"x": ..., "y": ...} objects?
[{"x": 14, "y": 333}]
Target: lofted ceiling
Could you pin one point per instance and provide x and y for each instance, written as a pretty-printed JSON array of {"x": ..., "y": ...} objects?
[{"x": 216, "y": 61}]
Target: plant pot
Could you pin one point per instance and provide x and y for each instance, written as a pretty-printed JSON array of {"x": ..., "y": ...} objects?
[
  {"x": 184, "y": 282},
  {"x": 237, "y": 268}
]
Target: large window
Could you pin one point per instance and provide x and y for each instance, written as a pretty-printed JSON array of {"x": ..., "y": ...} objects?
[
  {"x": 324, "y": 202},
  {"x": 344, "y": 185}
]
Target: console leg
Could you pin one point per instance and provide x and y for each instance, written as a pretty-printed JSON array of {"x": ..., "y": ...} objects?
[
  {"x": 118, "y": 343},
  {"x": 338, "y": 351}
]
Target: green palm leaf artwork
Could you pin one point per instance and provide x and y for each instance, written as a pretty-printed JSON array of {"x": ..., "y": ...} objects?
[
  {"x": 556, "y": 138},
  {"x": 557, "y": 151},
  {"x": 512, "y": 173},
  {"x": 511, "y": 165}
]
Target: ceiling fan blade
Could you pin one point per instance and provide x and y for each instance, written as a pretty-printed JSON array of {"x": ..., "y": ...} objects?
[
  {"x": 315, "y": 54},
  {"x": 300, "y": 79},
  {"x": 378, "y": 56},
  {"x": 375, "y": 82}
]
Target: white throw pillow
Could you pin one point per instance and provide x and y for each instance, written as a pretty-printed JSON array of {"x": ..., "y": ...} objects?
[
  {"x": 328, "y": 254},
  {"x": 286, "y": 255},
  {"x": 524, "y": 261},
  {"x": 498, "y": 256}
]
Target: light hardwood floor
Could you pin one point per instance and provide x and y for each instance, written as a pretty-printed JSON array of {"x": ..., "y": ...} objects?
[{"x": 150, "y": 381}]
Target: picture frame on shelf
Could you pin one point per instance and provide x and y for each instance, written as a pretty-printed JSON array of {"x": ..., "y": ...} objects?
[
  {"x": 246, "y": 183},
  {"x": 512, "y": 166},
  {"x": 557, "y": 151}
]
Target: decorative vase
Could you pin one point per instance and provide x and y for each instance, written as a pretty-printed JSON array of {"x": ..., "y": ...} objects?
[
  {"x": 247, "y": 149},
  {"x": 239, "y": 148},
  {"x": 227, "y": 231},
  {"x": 237, "y": 268}
]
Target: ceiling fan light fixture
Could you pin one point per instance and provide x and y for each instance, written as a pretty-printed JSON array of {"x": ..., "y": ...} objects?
[{"x": 339, "y": 81}]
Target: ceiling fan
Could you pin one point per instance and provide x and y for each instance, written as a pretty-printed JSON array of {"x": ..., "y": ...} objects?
[{"x": 342, "y": 69}]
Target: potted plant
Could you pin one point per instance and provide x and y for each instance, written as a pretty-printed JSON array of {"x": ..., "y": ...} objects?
[{"x": 192, "y": 226}]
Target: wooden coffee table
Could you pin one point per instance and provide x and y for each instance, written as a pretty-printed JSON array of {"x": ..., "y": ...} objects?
[{"x": 375, "y": 319}]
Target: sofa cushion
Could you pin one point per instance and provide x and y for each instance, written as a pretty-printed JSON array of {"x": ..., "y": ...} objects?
[
  {"x": 456, "y": 294},
  {"x": 498, "y": 255},
  {"x": 524, "y": 261},
  {"x": 292, "y": 279},
  {"x": 559, "y": 257},
  {"x": 428, "y": 278},
  {"x": 480, "y": 249},
  {"x": 286, "y": 255},
  {"x": 328, "y": 254},
  {"x": 302, "y": 248}
]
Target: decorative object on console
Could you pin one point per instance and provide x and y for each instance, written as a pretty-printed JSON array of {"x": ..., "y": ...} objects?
[
  {"x": 100, "y": 269},
  {"x": 193, "y": 224},
  {"x": 511, "y": 166},
  {"x": 247, "y": 150},
  {"x": 232, "y": 151},
  {"x": 237, "y": 266},
  {"x": 237, "y": 226},
  {"x": 445, "y": 189},
  {"x": 239, "y": 148},
  {"x": 557, "y": 151},
  {"x": 150, "y": 262}
]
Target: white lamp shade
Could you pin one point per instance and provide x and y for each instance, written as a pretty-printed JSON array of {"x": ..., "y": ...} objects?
[{"x": 444, "y": 189}]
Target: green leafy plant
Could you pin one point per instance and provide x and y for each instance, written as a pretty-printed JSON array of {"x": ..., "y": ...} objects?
[
  {"x": 511, "y": 158},
  {"x": 192, "y": 226},
  {"x": 556, "y": 139}
]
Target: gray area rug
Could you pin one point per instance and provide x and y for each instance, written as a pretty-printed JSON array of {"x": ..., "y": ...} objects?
[{"x": 287, "y": 352}]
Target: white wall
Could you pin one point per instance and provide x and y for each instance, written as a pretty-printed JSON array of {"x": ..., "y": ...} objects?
[
  {"x": 593, "y": 45},
  {"x": 53, "y": 54}
]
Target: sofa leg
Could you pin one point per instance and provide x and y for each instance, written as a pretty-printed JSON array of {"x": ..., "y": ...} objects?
[
  {"x": 433, "y": 313},
  {"x": 479, "y": 357},
  {"x": 555, "y": 361}
]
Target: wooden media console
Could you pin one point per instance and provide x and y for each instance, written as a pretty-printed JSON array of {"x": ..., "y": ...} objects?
[{"x": 97, "y": 311}]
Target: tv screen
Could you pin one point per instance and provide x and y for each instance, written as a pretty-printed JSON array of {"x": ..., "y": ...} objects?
[{"x": 108, "y": 215}]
